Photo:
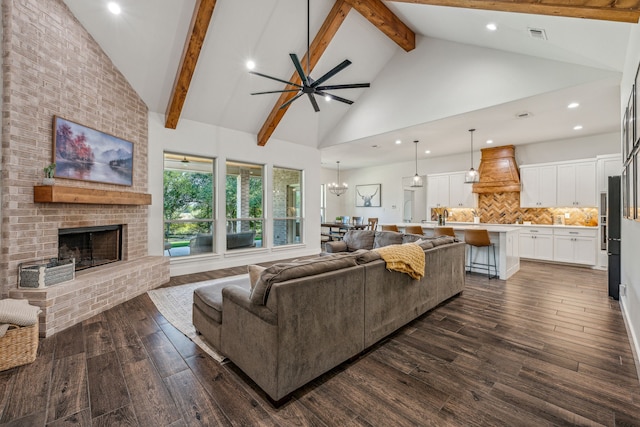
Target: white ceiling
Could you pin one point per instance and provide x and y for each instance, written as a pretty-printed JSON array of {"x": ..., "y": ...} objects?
[{"x": 145, "y": 42}]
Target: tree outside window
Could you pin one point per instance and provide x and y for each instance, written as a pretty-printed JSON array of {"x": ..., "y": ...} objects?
[
  {"x": 188, "y": 205},
  {"x": 244, "y": 205},
  {"x": 287, "y": 206}
]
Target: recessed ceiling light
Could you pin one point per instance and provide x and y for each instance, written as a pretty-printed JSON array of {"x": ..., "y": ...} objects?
[
  {"x": 327, "y": 98},
  {"x": 427, "y": 152},
  {"x": 374, "y": 146},
  {"x": 523, "y": 115},
  {"x": 250, "y": 65},
  {"x": 577, "y": 127},
  {"x": 492, "y": 27},
  {"x": 573, "y": 105},
  {"x": 114, "y": 8},
  {"x": 489, "y": 141},
  {"x": 398, "y": 142}
]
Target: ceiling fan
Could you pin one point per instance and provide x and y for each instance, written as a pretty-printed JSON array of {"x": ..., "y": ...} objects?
[{"x": 309, "y": 86}]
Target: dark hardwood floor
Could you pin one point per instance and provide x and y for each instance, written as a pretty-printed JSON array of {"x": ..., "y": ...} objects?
[{"x": 547, "y": 347}]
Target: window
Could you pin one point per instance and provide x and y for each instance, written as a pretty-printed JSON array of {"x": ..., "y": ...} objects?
[
  {"x": 244, "y": 205},
  {"x": 287, "y": 206},
  {"x": 323, "y": 202},
  {"x": 188, "y": 205}
]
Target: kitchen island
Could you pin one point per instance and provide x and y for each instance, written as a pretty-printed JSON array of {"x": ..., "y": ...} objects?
[{"x": 504, "y": 237}]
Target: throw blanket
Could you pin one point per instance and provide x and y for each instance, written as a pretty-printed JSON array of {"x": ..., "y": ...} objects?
[
  {"x": 17, "y": 312},
  {"x": 407, "y": 258}
]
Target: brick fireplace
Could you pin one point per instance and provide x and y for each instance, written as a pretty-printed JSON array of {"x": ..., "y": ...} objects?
[{"x": 52, "y": 66}]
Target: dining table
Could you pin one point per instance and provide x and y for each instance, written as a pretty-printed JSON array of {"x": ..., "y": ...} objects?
[{"x": 336, "y": 230}]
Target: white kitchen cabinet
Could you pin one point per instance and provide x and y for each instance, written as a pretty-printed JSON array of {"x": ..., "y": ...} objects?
[
  {"x": 438, "y": 191},
  {"x": 538, "y": 186},
  {"x": 460, "y": 193},
  {"x": 608, "y": 165},
  {"x": 576, "y": 184},
  {"x": 536, "y": 243},
  {"x": 577, "y": 246}
]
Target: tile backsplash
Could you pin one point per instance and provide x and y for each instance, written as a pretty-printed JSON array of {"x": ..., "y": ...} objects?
[{"x": 504, "y": 208}]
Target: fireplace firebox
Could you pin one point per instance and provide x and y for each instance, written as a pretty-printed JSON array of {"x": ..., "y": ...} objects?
[{"x": 90, "y": 246}]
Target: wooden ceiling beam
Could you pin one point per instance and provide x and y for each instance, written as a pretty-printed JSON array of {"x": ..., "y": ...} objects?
[
  {"x": 200, "y": 20},
  {"x": 619, "y": 11},
  {"x": 326, "y": 33},
  {"x": 386, "y": 21}
]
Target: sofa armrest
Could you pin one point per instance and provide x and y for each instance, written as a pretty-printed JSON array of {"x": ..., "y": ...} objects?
[
  {"x": 240, "y": 297},
  {"x": 336, "y": 246}
]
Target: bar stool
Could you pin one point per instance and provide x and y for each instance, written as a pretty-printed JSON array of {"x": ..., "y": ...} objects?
[
  {"x": 391, "y": 227},
  {"x": 443, "y": 231},
  {"x": 413, "y": 229},
  {"x": 480, "y": 238}
]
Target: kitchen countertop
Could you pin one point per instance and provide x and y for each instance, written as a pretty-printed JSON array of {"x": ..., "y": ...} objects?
[{"x": 453, "y": 224}]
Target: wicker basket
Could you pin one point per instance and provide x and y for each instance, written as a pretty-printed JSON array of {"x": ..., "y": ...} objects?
[{"x": 18, "y": 346}]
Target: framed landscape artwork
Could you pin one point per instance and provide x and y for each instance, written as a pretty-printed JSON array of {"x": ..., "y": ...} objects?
[
  {"x": 368, "y": 196},
  {"x": 83, "y": 153},
  {"x": 630, "y": 125}
]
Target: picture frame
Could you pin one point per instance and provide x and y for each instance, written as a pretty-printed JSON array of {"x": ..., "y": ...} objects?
[
  {"x": 630, "y": 124},
  {"x": 636, "y": 125},
  {"x": 637, "y": 184},
  {"x": 625, "y": 136},
  {"x": 369, "y": 195},
  {"x": 625, "y": 193},
  {"x": 87, "y": 154},
  {"x": 631, "y": 179}
]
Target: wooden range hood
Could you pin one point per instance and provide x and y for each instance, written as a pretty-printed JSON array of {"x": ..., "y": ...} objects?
[{"x": 498, "y": 171}]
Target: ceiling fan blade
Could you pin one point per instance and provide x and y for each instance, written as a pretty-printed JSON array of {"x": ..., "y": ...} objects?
[
  {"x": 275, "y": 91},
  {"x": 347, "y": 86},
  {"x": 313, "y": 102},
  {"x": 335, "y": 70},
  {"x": 291, "y": 100},
  {"x": 275, "y": 78},
  {"x": 337, "y": 98},
  {"x": 298, "y": 65}
]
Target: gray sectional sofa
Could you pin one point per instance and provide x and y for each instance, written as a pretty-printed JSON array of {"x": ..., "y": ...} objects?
[{"x": 302, "y": 318}]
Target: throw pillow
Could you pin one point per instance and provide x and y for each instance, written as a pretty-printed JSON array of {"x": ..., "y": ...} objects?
[
  {"x": 359, "y": 239},
  {"x": 386, "y": 238},
  {"x": 254, "y": 274}
]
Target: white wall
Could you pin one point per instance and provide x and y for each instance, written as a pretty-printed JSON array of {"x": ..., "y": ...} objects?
[
  {"x": 390, "y": 176},
  {"x": 212, "y": 141},
  {"x": 630, "y": 248},
  {"x": 412, "y": 89}
]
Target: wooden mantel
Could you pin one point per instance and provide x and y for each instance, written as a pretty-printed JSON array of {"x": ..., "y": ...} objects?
[{"x": 61, "y": 194}]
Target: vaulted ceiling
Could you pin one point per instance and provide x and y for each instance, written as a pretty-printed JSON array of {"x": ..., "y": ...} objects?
[{"x": 435, "y": 70}]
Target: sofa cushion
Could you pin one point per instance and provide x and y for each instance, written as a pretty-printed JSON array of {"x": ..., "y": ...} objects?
[
  {"x": 442, "y": 240},
  {"x": 282, "y": 272},
  {"x": 254, "y": 274},
  {"x": 410, "y": 238},
  {"x": 208, "y": 298},
  {"x": 386, "y": 238},
  {"x": 424, "y": 243},
  {"x": 359, "y": 239}
]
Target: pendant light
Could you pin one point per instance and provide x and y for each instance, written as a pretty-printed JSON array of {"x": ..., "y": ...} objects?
[
  {"x": 472, "y": 175},
  {"x": 417, "y": 179},
  {"x": 337, "y": 188}
]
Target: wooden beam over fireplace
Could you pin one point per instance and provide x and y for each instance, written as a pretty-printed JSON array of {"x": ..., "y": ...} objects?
[{"x": 60, "y": 194}]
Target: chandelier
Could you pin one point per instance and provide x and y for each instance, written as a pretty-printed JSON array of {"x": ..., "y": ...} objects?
[
  {"x": 417, "y": 180},
  {"x": 338, "y": 189},
  {"x": 472, "y": 175}
]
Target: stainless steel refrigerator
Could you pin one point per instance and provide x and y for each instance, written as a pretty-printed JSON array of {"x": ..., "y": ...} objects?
[{"x": 614, "y": 218}]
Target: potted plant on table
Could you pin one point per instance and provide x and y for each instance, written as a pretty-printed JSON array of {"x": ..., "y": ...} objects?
[{"x": 49, "y": 171}]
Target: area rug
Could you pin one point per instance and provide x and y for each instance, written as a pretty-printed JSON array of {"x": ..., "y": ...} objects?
[{"x": 175, "y": 304}]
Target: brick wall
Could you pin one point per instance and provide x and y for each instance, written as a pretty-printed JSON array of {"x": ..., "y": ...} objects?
[{"x": 52, "y": 66}]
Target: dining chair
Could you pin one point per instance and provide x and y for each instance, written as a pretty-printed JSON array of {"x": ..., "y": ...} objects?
[
  {"x": 443, "y": 231},
  {"x": 373, "y": 223},
  {"x": 479, "y": 238},
  {"x": 391, "y": 227},
  {"x": 413, "y": 229}
]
